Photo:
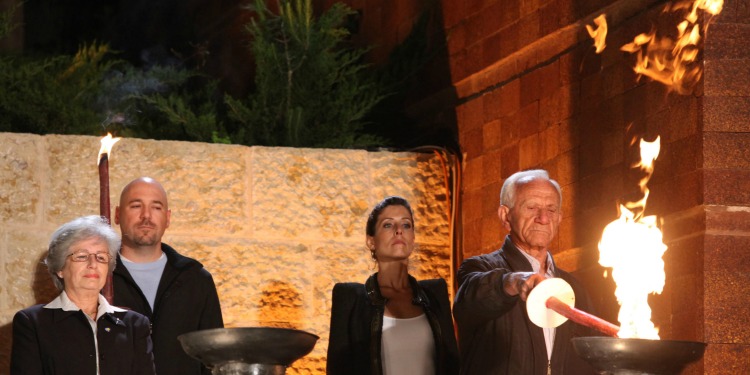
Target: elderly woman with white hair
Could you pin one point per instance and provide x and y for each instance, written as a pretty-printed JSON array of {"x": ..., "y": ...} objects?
[{"x": 79, "y": 332}]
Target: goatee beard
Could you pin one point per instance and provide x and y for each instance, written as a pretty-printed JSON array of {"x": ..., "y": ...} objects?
[{"x": 145, "y": 240}]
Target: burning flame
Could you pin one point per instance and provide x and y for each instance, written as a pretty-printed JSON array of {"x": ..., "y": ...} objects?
[
  {"x": 600, "y": 33},
  {"x": 106, "y": 149},
  {"x": 673, "y": 62},
  {"x": 712, "y": 7},
  {"x": 632, "y": 246}
]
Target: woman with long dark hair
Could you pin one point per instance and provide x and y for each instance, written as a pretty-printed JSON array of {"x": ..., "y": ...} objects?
[{"x": 392, "y": 324}]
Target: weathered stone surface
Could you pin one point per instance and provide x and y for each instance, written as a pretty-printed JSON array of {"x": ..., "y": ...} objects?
[
  {"x": 309, "y": 193},
  {"x": 422, "y": 180},
  {"x": 71, "y": 177},
  {"x": 25, "y": 279},
  {"x": 19, "y": 171},
  {"x": 207, "y": 184}
]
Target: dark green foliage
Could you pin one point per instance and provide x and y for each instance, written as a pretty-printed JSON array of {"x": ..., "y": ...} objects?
[
  {"x": 162, "y": 103},
  {"x": 90, "y": 94},
  {"x": 52, "y": 95},
  {"x": 310, "y": 89},
  {"x": 6, "y": 20}
]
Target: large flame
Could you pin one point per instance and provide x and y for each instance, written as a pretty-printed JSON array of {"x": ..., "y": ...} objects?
[
  {"x": 632, "y": 246},
  {"x": 673, "y": 61},
  {"x": 600, "y": 33},
  {"x": 107, "y": 143}
]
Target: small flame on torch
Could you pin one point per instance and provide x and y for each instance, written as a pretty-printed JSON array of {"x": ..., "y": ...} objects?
[
  {"x": 107, "y": 143},
  {"x": 632, "y": 246},
  {"x": 600, "y": 33}
]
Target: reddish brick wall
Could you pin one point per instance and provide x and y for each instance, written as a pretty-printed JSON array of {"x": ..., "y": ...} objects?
[
  {"x": 531, "y": 93},
  {"x": 726, "y": 184}
]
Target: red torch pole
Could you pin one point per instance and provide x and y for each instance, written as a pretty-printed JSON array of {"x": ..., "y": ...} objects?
[
  {"x": 104, "y": 206},
  {"x": 555, "y": 295},
  {"x": 582, "y": 317},
  {"x": 104, "y": 211}
]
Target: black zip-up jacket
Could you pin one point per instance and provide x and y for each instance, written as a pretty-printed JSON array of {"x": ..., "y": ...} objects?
[
  {"x": 494, "y": 330},
  {"x": 357, "y": 323},
  {"x": 186, "y": 301}
]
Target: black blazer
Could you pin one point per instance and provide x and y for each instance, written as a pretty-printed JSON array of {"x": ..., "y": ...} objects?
[
  {"x": 357, "y": 321},
  {"x": 53, "y": 341}
]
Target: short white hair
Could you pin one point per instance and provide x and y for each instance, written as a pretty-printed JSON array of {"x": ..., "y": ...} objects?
[
  {"x": 74, "y": 231},
  {"x": 510, "y": 186}
]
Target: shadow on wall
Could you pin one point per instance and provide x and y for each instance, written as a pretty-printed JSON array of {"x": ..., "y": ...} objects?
[
  {"x": 42, "y": 285},
  {"x": 44, "y": 292},
  {"x": 280, "y": 305}
]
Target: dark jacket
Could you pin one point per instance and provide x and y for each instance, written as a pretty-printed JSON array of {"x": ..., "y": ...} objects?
[
  {"x": 357, "y": 322},
  {"x": 494, "y": 331},
  {"x": 53, "y": 341},
  {"x": 186, "y": 301}
]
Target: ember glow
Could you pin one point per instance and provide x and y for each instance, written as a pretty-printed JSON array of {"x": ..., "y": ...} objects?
[
  {"x": 673, "y": 62},
  {"x": 632, "y": 246},
  {"x": 107, "y": 143},
  {"x": 599, "y": 34}
]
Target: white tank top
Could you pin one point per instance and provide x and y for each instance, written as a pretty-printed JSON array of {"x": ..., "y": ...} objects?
[{"x": 407, "y": 347}]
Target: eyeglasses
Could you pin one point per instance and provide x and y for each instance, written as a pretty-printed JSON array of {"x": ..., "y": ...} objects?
[{"x": 83, "y": 256}]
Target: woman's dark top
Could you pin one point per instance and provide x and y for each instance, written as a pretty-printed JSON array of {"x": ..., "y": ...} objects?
[
  {"x": 357, "y": 321},
  {"x": 55, "y": 341}
]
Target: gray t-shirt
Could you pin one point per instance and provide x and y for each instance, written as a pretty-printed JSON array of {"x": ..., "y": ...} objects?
[{"x": 146, "y": 275}]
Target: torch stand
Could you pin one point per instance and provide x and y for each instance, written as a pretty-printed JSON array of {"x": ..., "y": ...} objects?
[
  {"x": 550, "y": 304},
  {"x": 248, "y": 351},
  {"x": 610, "y": 355}
]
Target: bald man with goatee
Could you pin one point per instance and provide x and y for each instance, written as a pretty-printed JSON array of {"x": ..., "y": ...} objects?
[{"x": 176, "y": 293}]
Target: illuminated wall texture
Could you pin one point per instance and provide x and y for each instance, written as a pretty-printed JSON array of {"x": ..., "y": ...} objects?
[{"x": 277, "y": 227}]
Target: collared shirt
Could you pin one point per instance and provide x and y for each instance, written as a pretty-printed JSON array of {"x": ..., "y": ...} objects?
[
  {"x": 63, "y": 302},
  {"x": 549, "y": 333}
]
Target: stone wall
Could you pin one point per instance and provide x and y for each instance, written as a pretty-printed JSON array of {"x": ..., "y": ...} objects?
[{"x": 277, "y": 227}]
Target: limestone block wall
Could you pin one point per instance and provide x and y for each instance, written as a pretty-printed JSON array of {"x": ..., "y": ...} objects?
[{"x": 277, "y": 227}]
